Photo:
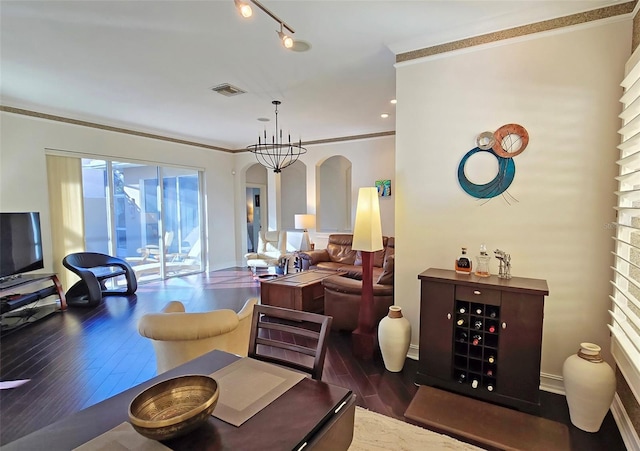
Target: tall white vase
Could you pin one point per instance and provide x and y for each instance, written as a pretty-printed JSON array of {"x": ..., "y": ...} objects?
[
  {"x": 394, "y": 336},
  {"x": 590, "y": 385}
]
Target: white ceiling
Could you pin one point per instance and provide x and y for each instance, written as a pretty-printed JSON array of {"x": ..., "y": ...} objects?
[{"x": 149, "y": 65}]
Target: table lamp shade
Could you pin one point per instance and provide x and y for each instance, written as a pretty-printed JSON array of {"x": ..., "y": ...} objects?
[
  {"x": 367, "y": 233},
  {"x": 305, "y": 221}
]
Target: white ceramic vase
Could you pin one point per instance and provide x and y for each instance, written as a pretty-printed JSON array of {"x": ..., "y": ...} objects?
[
  {"x": 394, "y": 336},
  {"x": 590, "y": 385}
]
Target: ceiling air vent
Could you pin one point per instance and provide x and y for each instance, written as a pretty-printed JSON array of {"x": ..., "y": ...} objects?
[{"x": 227, "y": 90}]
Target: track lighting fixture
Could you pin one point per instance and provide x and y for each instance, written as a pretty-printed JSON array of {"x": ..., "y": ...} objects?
[
  {"x": 243, "y": 8},
  {"x": 287, "y": 41}
]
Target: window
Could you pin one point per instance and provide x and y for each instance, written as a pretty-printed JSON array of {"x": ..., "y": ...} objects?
[{"x": 625, "y": 313}]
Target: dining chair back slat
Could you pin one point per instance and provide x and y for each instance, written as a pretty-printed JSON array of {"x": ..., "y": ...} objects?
[{"x": 290, "y": 338}]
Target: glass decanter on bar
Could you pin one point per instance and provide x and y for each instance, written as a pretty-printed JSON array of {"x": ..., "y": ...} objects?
[{"x": 482, "y": 267}]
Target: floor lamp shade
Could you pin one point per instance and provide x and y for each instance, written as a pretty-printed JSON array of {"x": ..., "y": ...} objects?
[
  {"x": 305, "y": 222},
  {"x": 367, "y": 233},
  {"x": 367, "y": 238}
]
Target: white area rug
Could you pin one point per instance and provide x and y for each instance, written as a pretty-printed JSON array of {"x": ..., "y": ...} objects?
[{"x": 378, "y": 432}]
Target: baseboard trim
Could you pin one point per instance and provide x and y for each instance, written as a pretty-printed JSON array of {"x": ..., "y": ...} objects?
[
  {"x": 552, "y": 383},
  {"x": 413, "y": 353},
  {"x": 627, "y": 431}
]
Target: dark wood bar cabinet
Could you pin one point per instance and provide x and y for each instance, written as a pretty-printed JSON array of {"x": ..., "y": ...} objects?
[{"x": 482, "y": 336}]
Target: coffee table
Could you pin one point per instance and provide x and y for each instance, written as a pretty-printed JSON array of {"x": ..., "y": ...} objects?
[{"x": 297, "y": 291}]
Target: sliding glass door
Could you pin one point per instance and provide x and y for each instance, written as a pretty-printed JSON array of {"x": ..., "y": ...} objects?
[{"x": 155, "y": 226}]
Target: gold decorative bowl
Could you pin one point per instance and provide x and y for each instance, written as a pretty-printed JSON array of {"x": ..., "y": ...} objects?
[{"x": 174, "y": 407}]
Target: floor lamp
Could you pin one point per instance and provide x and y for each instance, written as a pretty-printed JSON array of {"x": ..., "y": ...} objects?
[
  {"x": 305, "y": 222},
  {"x": 367, "y": 238}
]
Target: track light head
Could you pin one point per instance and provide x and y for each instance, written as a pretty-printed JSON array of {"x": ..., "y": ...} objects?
[
  {"x": 243, "y": 8},
  {"x": 287, "y": 41}
]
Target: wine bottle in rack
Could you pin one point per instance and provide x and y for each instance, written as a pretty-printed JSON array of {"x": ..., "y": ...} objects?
[
  {"x": 462, "y": 336},
  {"x": 462, "y": 378},
  {"x": 493, "y": 313},
  {"x": 462, "y": 309},
  {"x": 460, "y": 321},
  {"x": 489, "y": 373},
  {"x": 476, "y": 339},
  {"x": 490, "y": 387},
  {"x": 491, "y": 359},
  {"x": 477, "y": 324},
  {"x": 478, "y": 310},
  {"x": 492, "y": 328},
  {"x": 474, "y": 383}
]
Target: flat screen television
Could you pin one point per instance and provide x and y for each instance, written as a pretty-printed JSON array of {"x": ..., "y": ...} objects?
[{"x": 20, "y": 243}]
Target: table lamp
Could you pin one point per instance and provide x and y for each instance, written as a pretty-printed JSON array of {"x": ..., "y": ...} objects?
[
  {"x": 305, "y": 222},
  {"x": 367, "y": 238}
]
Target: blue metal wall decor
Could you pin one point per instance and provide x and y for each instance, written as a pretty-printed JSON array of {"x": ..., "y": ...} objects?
[
  {"x": 508, "y": 141},
  {"x": 497, "y": 186}
]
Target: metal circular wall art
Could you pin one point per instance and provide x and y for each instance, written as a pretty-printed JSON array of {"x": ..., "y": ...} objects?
[
  {"x": 504, "y": 144},
  {"x": 510, "y": 140},
  {"x": 497, "y": 186},
  {"x": 485, "y": 140}
]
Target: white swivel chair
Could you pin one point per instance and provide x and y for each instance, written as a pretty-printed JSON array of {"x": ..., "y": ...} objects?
[
  {"x": 272, "y": 246},
  {"x": 178, "y": 336}
]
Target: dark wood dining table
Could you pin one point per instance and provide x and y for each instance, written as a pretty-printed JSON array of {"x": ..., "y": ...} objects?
[{"x": 311, "y": 415}]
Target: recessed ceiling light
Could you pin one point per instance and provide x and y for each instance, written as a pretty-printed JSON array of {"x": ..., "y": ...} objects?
[
  {"x": 384, "y": 115},
  {"x": 394, "y": 101}
]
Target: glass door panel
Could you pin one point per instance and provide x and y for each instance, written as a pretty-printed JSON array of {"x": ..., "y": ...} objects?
[
  {"x": 96, "y": 220},
  {"x": 181, "y": 206},
  {"x": 156, "y": 228},
  {"x": 138, "y": 234}
]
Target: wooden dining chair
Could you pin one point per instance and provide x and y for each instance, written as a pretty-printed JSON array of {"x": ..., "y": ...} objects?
[{"x": 290, "y": 338}]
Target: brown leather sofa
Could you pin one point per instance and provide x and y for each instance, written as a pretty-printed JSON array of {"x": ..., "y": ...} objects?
[
  {"x": 343, "y": 292},
  {"x": 339, "y": 256}
]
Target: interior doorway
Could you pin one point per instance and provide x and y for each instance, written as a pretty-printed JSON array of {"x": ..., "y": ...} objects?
[{"x": 255, "y": 201}]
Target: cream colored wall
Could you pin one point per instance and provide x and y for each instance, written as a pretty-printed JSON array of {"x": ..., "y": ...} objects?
[
  {"x": 372, "y": 159},
  {"x": 23, "y": 176},
  {"x": 564, "y": 89}
]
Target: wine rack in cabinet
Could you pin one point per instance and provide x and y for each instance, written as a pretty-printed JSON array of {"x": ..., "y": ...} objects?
[
  {"x": 476, "y": 344},
  {"x": 482, "y": 336}
]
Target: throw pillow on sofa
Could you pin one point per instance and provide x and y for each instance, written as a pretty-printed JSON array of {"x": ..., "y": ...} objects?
[
  {"x": 378, "y": 258},
  {"x": 386, "y": 278}
]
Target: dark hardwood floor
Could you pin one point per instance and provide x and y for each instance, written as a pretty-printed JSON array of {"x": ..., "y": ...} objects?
[{"x": 83, "y": 356}]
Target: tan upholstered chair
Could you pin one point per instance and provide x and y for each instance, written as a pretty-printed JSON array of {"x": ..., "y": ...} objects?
[
  {"x": 178, "y": 336},
  {"x": 271, "y": 246}
]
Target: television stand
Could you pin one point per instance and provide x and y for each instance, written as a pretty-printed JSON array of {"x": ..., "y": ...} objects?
[{"x": 28, "y": 298}]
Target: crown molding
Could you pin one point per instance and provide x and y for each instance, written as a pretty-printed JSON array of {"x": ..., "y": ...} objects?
[
  {"x": 66, "y": 120},
  {"x": 510, "y": 33},
  {"x": 109, "y": 128},
  {"x": 340, "y": 139}
]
